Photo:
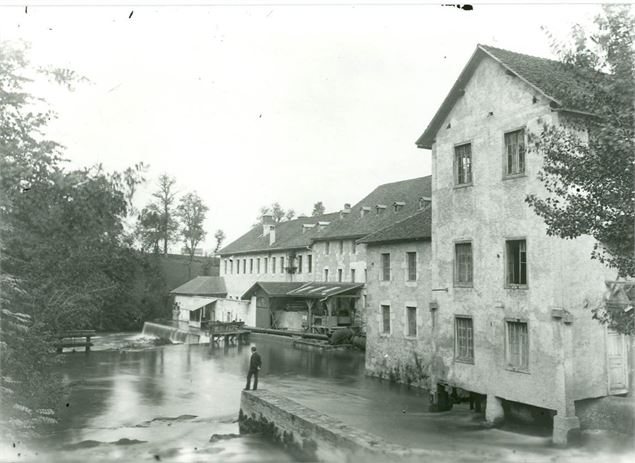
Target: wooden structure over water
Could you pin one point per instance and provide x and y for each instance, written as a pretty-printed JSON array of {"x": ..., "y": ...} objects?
[
  {"x": 74, "y": 338},
  {"x": 230, "y": 332}
]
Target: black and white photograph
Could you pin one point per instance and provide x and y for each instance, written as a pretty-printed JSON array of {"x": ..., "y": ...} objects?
[{"x": 320, "y": 232}]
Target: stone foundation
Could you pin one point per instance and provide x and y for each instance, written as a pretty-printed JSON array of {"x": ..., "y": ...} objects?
[{"x": 312, "y": 436}]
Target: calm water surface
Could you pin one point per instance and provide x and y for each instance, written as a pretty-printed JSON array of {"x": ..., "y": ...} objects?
[{"x": 164, "y": 403}]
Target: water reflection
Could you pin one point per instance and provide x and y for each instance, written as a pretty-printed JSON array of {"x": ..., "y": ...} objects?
[{"x": 167, "y": 401}]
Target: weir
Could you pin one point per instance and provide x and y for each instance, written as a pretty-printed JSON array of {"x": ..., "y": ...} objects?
[
  {"x": 174, "y": 334},
  {"x": 313, "y": 436}
]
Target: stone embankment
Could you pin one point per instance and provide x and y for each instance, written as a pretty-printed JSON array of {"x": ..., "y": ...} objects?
[{"x": 312, "y": 436}]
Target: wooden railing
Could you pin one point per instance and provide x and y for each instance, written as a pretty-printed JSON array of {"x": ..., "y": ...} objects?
[
  {"x": 224, "y": 327},
  {"x": 74, "y": 338}
]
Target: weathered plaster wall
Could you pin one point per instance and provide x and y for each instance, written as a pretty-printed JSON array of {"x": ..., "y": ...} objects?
[
  {"x": 238, "y": 310},
  {"x": 396, "y": 355},
  {"x": 238, "y": 283},
  {"x": 560, "y": 273}
]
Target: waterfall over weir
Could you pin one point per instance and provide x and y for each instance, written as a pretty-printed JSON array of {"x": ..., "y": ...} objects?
[{"x": 174, "y": 334}]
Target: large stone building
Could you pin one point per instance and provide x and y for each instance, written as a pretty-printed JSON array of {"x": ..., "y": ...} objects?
[
  {"x": 510, "y": 305},
  {"x": 317, "y": 249},
  {"x": 398, "y": 326}
]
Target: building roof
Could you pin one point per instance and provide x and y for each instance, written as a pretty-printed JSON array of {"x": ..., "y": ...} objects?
[
  {"x": 290, "y": 234},
  {"x": 552, "y": 79},
  {"x": 272, "y": 288},
  {"x": 320, "y": 290},
  {"x": 308, "y": 290},
  {"x": 202, "y": 286},
  {"x": 416, "y": 227},
  {"x": 406, "y": 192}
]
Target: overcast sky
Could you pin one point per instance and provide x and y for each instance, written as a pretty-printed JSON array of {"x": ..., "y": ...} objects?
[{"x": 251, "y": 105}]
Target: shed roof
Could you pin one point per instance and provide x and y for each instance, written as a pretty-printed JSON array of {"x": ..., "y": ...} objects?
[
  {"x": 416, "y": 227},
  {"x": 202, "y": 286},
  {"x": 272, "y": 288},
  {"x": 308, "y": 290},
  {"x": 553, "y": 79},
  {"x": 407, "y": 193}
]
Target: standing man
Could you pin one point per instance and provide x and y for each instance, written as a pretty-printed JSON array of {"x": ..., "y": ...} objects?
[{"x": 255, "y": 362}]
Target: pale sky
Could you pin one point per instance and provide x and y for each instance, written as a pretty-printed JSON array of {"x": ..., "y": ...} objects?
[{"x": 248, "y": 105}]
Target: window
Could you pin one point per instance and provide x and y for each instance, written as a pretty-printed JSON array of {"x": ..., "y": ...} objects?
[
  {"x": 463, "y": 164},
  {"x": 365, "y": 275},
  {"x": 273, "y": 265},
  {"x": 231, "y": 266},
  {"x": 352, "y": 275},
  {"x": 411, "y": 257},
  {"x": 244, "y": 265},
  {"x": 517, "y": 348},
  {"x": 385, "y": 267},
  {"x": 515, "y": 152},
  {"x": 353, "y": 247},
  {"x": 282, "y": 265},
  {"x": 326, "y": 274},
  {"x": 266, "y": 265},
  {"x": 327, "y": 247},
  {"x": 225, "y": 268},
  {"x": 299, "y": 264},
  {"x": 251, "y": 266},
  {"x": 411, "y": 312},
  {"x": 339, "y": 275},
  {"x": 341, "y": 246},
  {"x": 385, "y": 315},
  {"x": 516, "y": 262},
  {"x": 464, "y": 336},
  {"x": 463, "y": 264},
  {"x": 258, "y": 265},
  {"x": 310, "y": 263}
]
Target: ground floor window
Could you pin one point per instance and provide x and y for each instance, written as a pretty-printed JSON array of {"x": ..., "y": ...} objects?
[
  {"x": 517, "y": 348},
  {"x": 464, "y": 339},
  {"x": 412, "y": 321},
  {"x": 385, "y": 315}
]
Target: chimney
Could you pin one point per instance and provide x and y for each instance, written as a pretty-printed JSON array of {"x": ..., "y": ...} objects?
[
  {"x": 267, "y": 223},
  {"x": 344, "y": 212},
  {"x": 272, "y": 234}
]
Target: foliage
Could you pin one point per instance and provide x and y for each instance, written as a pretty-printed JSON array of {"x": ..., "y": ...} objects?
[
  {"x": 164, "y": 206},
  {"x": 191, "y": 214},
  {"x": 589, "y": 162},
  {"x": 66, "y": 261},
  {"x": 219, "y": 236},
  {"x": 277, "y": 212},
  {"x": 318, "y": 208}
]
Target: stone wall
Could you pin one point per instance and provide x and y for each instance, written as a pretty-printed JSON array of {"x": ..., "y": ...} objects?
[
  {"x": 312, "y": 436},
  {"x": 238, "y": 283},
  {"x": 488, "y": 212},
  {"x": 396, "y": 355}
]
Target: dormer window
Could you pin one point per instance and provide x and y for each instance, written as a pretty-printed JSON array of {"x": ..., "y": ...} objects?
[
  {"x": 422, "y": 202},
  {"x": 398, "y": 205},
  {"x": 380, "y": 208},
  {"x": 364, "y": 210}
]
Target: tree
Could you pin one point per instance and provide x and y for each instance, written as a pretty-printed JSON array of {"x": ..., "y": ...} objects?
[
  {"x": 148, "y": 229},
  {"x": 279, "y": 214},
  {"x": 589, "y": 162},
  {"x": 220, "y": 237},
  {"x": 165, "y": 200},
  {"x": 318, "y": 208},
  {"x": 191, "y": 214},
  {"x": 64, "y": 255}
]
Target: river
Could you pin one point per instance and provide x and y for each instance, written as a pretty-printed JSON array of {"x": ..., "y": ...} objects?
[{"x": 164, "y": 403}]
